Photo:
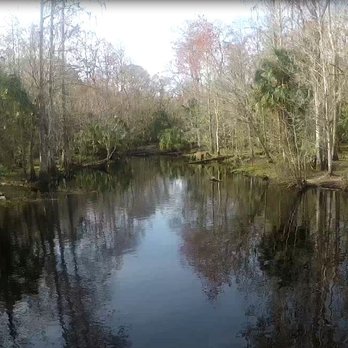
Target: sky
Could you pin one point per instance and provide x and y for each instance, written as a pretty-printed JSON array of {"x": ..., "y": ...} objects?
[{"x": 146, "y": 30}]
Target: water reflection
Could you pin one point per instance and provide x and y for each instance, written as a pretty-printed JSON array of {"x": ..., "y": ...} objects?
[
  {"x": 49, "y": 277},
  {"x": 286, "y": 252},
  {"x": 307, "y": 305},
  {"x": 264, "y": 267}
]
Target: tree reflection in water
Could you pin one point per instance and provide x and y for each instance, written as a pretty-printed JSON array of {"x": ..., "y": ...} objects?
[
  {"x": 285, "y": 253},
  {"x": 53, "y": 258},
  {"x": 56, "y": 256}
]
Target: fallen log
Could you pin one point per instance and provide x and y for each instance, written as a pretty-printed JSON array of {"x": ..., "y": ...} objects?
[
  {"x": 171, "y": 153},
  {"x": 154, "y": 153},
  {"x": 332, "y": 185},
  {"x": 98, "y": 165},
  {"x": 139, "y": 154},
  {"x": 211, "y": 159},
  {"x": 331, "y": 182}
]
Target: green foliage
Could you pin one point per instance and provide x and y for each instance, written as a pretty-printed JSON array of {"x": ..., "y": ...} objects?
[
  {"x": 278, "y": 90},
  {"x": 277, "y": 87},
  {"x": 172, "y": 139},
  {"x": 101, "y": 140},
  {"x": 12, "y": 93},
  {"x": 161, "y": 121},
  {"x": 17, "y": 118},
  {"x": 342, "y": 126},
  {"x": 3, "y": 170}
]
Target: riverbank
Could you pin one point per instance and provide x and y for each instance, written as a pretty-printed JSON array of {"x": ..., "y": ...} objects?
[
  {"x": 260, "y": 167},
  {"x": 14, "y": 188},
  {"x": 15, "y": 191}
]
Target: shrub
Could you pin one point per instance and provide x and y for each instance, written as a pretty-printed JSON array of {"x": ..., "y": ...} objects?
[{"x": 172, "y": 139}]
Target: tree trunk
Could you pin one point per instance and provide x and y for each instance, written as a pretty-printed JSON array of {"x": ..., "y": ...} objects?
[
  {"x": 336, "y": 109},
  {"x": 324, "y": 76},
  {"x": 328, "y": 125},
  {"x": 318, "y": 163},
  {"x": 217, "y": 128},
  {"x": 261, "y": 138},
  {"x": 24, "y": 159},
  {"x": 51, "y": 162},
  {"x": 211, "y": 137},
  {"x": 41, "y": 103},
  {"x": 66, "y": 155},
  {"x": 336, "y": 87},
  {"x": 32, "y": 173},
  {"x": 251, "y": 147}
]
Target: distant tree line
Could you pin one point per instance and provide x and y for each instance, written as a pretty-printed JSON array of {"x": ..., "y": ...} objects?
[{"x": 276, "y": 88}]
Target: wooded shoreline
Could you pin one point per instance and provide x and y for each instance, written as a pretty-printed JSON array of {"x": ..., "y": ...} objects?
[
  {"x": 262, "y": 169},
  {"x": 275, "y": 90}
]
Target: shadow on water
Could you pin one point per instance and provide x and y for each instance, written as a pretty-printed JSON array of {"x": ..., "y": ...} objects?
[{"x": 286, "y": 254}]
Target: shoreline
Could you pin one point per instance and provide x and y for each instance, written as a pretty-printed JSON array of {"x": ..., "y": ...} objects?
[
  {"x": 16, "y": 189},
  {"x": 319, "y": 179}
]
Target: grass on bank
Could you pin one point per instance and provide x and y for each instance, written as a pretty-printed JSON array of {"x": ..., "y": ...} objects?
[{"x": 260, "y": 167}]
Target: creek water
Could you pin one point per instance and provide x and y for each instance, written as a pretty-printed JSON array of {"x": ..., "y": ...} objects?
[{"x": 155, "y": 255}]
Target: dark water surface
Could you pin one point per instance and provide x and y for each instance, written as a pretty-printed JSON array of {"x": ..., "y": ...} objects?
[{"x": 158, "y": 256}]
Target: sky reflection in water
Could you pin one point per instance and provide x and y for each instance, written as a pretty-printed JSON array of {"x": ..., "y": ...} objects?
[{"x": 162, "y": 257}]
